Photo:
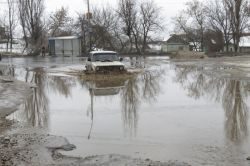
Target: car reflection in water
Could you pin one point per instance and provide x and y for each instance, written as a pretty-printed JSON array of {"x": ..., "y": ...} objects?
[
  {"x": 108, "y": 87},
  {"x": 132, "y": 91}
]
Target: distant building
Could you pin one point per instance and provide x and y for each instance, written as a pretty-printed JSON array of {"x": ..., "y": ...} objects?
[
  {"x": 65, "y": 46},
  {"x": 244, "y": 45},
  {"x": 176, "y": 43}
]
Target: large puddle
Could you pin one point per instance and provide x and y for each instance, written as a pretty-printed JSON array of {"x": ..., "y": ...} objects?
[{"x": 194, "y": 111}]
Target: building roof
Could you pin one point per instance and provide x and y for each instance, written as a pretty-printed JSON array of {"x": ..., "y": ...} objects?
[
  {"x": 64, "y": 38},
  {"x": 178, "y": 39}
]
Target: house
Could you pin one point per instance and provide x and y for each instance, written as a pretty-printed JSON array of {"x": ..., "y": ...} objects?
[
  {"x": 65, "y": 46},
  {"x": 176, "y": 43}
]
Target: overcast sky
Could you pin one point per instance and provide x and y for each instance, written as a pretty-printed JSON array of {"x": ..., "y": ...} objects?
[{"x": 170, "y": 8}]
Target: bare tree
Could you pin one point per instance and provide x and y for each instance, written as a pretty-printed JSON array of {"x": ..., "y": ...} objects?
[
  {"x": 4, "y": 28},
  {"x": 21, "y": 10},
  {"x": 190, "y": 33},
  {"x": 11, "y": 22},
  {"x": 30, "y": 13},
  {"x": 81, "y": 27},
  {"x": 191, "y": 22},
  {"x": 139, "y": 20},
  {"x": 121, "y": 40},
  {"x": 108, "y": 30},
  {"x": 127, "y": 12},
  {"x": 239, "y": 19},
  {"x": 7, "y": 25},
  {"x": 60, "y": 24},
  {"x": 104, "y": 23},
  {"x": 136, "y": 32},
  {"x": 196, "y": 11},
  {"x": 219, "y": 19},
  {"x": 150, "y": 20}
]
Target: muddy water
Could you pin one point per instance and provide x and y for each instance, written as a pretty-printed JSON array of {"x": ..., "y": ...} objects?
[{"x": 192, "y": 111}]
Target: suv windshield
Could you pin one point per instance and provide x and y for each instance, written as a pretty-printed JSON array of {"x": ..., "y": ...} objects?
[{"x": 105, "y": 57}]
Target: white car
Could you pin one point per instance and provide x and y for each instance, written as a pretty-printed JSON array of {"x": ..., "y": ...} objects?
[{"x": 104, "y": 61}]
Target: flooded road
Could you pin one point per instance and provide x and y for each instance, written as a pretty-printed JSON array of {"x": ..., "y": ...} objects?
[{"x": 191, "y": 111}]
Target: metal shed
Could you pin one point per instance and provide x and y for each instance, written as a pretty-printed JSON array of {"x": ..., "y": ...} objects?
[{"x": 65, "y": 46}]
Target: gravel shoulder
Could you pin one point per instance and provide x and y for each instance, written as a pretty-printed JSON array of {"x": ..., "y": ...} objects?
[{"x": 30, "y": 148}]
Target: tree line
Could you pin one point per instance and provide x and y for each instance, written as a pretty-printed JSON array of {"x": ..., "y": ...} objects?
[
  {"x": 125, "y": 28},
  {"x": 227, "y": 20}
]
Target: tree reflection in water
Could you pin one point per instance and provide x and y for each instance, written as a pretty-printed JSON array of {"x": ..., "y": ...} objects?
[
  {"x": 36, "y": 107},
  {"x": 234, "y": 102},
  {"x": 150, "y": 83},
  {"x": 4, "y": 123},
  {"x": 145, "y": 87},
  {"x": 130, "y": 101},
  {"x": 133, "y": 91},
  {"x": 232, "y": 93}
]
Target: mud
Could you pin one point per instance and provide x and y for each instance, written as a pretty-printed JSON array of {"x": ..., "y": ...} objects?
[{"x": 31, "y": 147}]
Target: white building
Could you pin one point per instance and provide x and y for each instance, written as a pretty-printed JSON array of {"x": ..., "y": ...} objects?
[
  {"x": 244, "y": 45},
  {"x": 65, "y": 46}
]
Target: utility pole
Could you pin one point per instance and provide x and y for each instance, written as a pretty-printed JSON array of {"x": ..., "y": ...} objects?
[{"x": 89, "y": 15}]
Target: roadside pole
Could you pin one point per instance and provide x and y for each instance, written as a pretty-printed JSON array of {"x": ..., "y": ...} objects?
[{"x": 89, "y": 16}]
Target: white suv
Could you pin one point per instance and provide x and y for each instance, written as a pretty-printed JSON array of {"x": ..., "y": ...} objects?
[{"x": 104, "y": 61}]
